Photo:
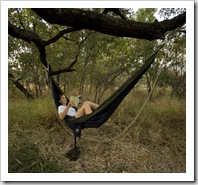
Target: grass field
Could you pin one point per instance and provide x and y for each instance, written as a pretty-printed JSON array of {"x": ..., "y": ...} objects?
[{"x": 154, "y": 143}]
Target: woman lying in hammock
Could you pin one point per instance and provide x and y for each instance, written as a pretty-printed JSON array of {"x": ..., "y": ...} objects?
[{"x": 66, "y": 109}]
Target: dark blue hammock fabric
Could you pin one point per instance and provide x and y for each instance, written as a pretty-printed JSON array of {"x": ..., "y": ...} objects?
[{"x": 106, "y": 109}]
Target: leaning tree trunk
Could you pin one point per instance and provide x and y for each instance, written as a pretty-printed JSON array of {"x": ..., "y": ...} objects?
[{"x": 19, "y": 86}]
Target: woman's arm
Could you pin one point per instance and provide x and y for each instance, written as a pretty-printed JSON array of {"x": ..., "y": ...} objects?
[{"x": 64, "y": 113}]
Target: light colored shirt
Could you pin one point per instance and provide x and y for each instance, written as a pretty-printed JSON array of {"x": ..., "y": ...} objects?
[{"x": 71, "y": 112}]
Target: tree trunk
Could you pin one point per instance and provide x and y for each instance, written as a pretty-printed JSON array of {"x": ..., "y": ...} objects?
[{"x": 19, "y": 86}]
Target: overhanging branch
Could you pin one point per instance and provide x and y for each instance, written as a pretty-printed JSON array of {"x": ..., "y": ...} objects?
[{"x": 85, "y": 19}]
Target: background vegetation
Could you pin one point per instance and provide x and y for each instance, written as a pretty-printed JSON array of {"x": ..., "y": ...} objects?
[{"x": 156, "y": 140}]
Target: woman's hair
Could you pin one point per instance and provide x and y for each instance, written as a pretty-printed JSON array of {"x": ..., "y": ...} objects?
[{"x": 59, "y": 96}]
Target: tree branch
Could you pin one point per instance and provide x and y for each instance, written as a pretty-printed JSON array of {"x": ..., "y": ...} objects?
[
  {"x": 66, "y": 70},
  {"x": 85, "y": 19},
  {"x": 115, "y": 11},
  {"x": 26, "y": 35},
  {"x": 19, "y": 86},
  {"x": 60, "y": 34},
  {"x": 29, "y": 37}
]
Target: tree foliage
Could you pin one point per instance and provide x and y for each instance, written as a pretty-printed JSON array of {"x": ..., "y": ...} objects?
[{"x": 95, "y": 59}]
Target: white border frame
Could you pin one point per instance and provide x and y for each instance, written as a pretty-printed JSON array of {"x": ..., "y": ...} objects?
[{"x": 188, "y": 176}]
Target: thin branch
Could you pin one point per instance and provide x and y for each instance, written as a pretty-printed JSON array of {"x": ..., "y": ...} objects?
[
  {"x": 78, "y": 52},
  {"x": 72, "y": 40},
  {"x": 75, "y": 59},
  {"x": 66, "y": 70},
  {"x": 60, "y": 34},
  {"x": 115, "y": 11},
  {"x": 19, "y": 85}
]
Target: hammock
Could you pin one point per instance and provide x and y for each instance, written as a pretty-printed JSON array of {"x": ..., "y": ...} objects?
[{"x": 106, "y": 109}]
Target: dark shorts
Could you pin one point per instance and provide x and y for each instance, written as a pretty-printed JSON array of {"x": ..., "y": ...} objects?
[{"x": 69, "y": 117}]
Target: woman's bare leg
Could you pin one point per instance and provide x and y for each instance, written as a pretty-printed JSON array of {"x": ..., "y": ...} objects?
[
  {"x": 84, "y": 110},
  {"x": 92, "y": 105}
]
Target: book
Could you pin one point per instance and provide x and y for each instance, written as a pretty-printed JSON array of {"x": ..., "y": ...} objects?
[{"x": 75, "y": 100}]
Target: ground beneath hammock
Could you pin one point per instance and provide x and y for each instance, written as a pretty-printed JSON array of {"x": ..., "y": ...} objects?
[
  {"x": 154, "y": 143},
  {"x": 123, "y": 156}
]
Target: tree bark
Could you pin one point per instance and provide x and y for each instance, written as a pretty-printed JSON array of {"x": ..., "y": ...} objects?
[
  {"x": 84, "y": 19},
  {"x": 19, "y": 86},
  {"x": 30, "y": 36}
]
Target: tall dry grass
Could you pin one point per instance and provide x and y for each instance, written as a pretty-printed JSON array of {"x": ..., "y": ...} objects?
[{"x": 154, "y": 143}]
